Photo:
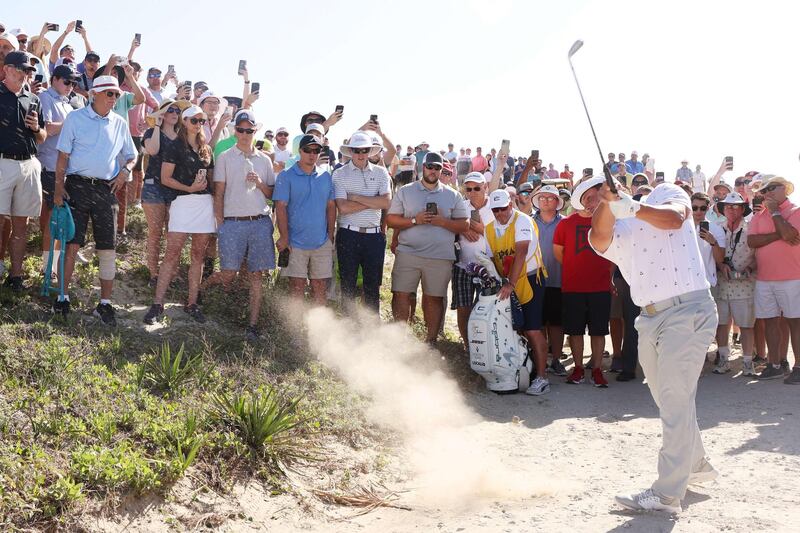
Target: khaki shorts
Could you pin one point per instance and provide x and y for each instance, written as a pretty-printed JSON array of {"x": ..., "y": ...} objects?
[
  {"x": 743, "y": 312},
  {"x": 310, "y": 264},
  {"x": 409, "y": 269},
  {"x": 20, "y": 188},
  {"x": 776, "y": 298}
]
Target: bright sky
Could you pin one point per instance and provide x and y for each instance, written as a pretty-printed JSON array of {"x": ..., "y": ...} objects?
[{"x": 696, "y": 79}]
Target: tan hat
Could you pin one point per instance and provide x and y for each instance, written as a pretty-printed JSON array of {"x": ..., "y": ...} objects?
[
  {"x": 772, "y": 179},
  {"x": 152, "y": 118}
]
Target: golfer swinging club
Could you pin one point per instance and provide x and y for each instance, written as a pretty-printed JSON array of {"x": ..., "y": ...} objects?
[{"x": 655, "y": 246}]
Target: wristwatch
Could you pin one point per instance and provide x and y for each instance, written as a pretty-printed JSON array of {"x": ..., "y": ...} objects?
[{"x": 413, "y": 221}]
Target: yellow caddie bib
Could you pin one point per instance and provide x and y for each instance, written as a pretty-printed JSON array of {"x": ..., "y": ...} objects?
[{"x": 505, "y": 246}]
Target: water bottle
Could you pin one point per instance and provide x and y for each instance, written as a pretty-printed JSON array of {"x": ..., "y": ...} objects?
[{"x": 248, "y": 168}]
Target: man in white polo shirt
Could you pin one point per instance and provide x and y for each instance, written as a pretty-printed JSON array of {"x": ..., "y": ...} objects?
[
  {"x": 655, "y": 246},
  {"x": 361, "y": 191}
]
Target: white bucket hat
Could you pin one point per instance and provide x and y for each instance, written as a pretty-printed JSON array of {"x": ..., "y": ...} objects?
[
  {"x": 547, "y": 189},
  {"x": 359, "y": 139}
]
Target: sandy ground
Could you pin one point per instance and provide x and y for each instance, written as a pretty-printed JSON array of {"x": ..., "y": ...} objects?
[{"x": 578, "y": 446}]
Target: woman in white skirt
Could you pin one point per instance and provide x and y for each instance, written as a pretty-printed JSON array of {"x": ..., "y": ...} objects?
[{"x": 187, "y": 167}]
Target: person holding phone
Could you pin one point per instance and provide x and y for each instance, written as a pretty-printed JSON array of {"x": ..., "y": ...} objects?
[
  {"x": 710, "y": 237},
  {"x": 425, "y": 251},
  {"x": 188, "y": 168},
  {"x": 20, "y": 185}
]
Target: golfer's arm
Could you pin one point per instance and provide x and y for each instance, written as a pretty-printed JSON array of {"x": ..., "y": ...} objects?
[
  {"x": 602, "y": 231},
  {"x": 667, "y": 216}
]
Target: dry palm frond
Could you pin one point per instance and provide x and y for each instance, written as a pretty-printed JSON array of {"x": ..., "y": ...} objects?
[{"x": 369, "y": 498}]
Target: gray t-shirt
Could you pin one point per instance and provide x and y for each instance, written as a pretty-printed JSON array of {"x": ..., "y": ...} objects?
[
  {"x": 426, "y": 240},
  {"x": 231, "y": 168}
]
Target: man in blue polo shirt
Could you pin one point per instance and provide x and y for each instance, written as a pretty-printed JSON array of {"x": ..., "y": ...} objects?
[
  {"x": 91, "y": 142},
  {"x": 306, "y": 217}
]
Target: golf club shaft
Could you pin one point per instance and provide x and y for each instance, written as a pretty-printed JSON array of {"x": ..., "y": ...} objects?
[{"x": 606, "y": 170}]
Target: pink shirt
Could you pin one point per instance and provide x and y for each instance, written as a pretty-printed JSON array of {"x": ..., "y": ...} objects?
[
  {"x": 137, "y": 114},
  {"x": 479, "y": 163},
  {"x": 777, "y": 261}
]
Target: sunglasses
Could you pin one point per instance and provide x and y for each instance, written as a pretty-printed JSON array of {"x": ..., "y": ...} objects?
[
  {"x": 770, "y": 188},
  {"x": 741, "y": 183},
  {"x": 524, "y": 193},
  {"x": 154, "y": 75},
  {"x": 472, "y": 189},
  {"x": 112, "y": 94},
  {"x": 175, "y": 110},
  {"x": 269, "y": 136},
  {"x": 430, "y": 166},
  {"x": 499, "y": 209},
  {"x": 700, "y": 208},
  {"x": 200, "y": 121},
  {"x": 248, "y": 131},
  {"x": 446, "y": 173},
  {"x": 312, "y": 150},
  {"x": 92, "y": 60},
  {"x": 360, "y": 150},
  {"x": 67, "y": 82},
  {"x": 283, "y": 135}
]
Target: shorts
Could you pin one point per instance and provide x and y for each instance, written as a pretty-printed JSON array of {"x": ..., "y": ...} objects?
[
  {"x": 582, "y": 309},
  {"x": 137, "y": 142},
  {"x": 462, "y": 288},
  {"x": 533, "y": 309},
  {"x": 155, "y": 193},
  {"x": 20, "y": 188},
  {"x": 776, "y": 298},
  {"x": 93, "y": 201},
  {"x": 192, "y": 213},
  {"x": 48, "y": 180},
  {"x": 409, "y": 269},
  {"x": 551, "y": 312},
  {"x": 404, "y": 178},
  {"x": 743, "y": 312},
  {"x": 310, "y": 264},
  {"x": 246, "y": 238}
]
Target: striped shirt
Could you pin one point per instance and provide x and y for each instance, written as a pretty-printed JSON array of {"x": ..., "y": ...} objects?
[{"x": 372, "y": 181}]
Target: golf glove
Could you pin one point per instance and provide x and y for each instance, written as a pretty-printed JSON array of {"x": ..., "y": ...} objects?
[{"x": 625, "y": 207}]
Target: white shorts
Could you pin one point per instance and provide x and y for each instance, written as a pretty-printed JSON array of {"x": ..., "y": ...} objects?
[
  {"x": 20, "y": 187},
  {"x": 742, "y": 311},
  {"x": 192, "y": 213},
  {"x": 776, "y": 298}
]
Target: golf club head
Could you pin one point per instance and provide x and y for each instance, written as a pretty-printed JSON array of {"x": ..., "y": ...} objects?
[{"x": 574, "y": 48}]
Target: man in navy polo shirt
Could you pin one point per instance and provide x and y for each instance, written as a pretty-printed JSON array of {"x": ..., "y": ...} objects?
[{"x": 306, "y": 216}]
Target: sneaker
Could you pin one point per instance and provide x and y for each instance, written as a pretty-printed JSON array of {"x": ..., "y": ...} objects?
[
  {"x": 748, "y": 369},
  {"x": 155, "y": 312},
  {"x": 105, "y": 312},
  {"x": 251, "y": 334},
  {"x": 616, "y": 365},
  {"x": 626, "y": 376},
  {"x": 577, "y": 376},
  {"x": 770, "y": 372},
  {"x": 14, "y": 283},
  {"x": 557, "y": 367},
  {"x": 704, "y": 474},
  {"x": 759, "y": 360},
  {"x": 785, "y": 368},
  {"x": 723, "y": 367},
  {"x": 648, "y": 501},
  {"x": 61, "y": 308},
  {"x": 597, "y": 379},
  {"x": 794, "y": 377},
  {"x": 538, "y": 387},
  {"x": 195, "y": 312}
]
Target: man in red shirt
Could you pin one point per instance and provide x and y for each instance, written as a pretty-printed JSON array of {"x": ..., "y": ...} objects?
[{"x": 585, "y": 282}]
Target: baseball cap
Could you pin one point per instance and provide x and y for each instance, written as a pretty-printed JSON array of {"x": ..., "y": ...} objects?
[
  {"x": 65, "y": 72},
  {"x": 315, "y": 126},
  {"x": 526, "y": 187},
  {"x": 475, "y": 177},
  {"x": 308, "y": 140},
  {"x": 499, "y": 198},
  {"x": 245, "y": 114},
  {"x": 432, "y": 158},
  {"x": 19, "y": 59},
  {"x": 281, "y": 130}
]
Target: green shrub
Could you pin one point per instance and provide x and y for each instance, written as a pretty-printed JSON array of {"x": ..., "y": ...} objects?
[{"x": 170, "y": 371}]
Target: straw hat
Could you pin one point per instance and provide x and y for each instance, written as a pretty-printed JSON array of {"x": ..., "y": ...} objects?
[{"x": 772, "y": 179}]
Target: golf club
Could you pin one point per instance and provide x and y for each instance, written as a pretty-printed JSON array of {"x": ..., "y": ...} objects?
[{"x": 606, "y": 171}]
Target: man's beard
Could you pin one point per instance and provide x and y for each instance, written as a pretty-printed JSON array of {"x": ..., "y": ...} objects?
[{"x": 430, "y": 178}]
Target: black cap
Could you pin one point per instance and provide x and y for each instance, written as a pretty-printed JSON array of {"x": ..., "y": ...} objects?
[
  {"x": 432, "y": 158},
  {"x": 19, "y": 59},
  {"x": 65, "y": 72},
  {"x": 310, "y": 139},
  {"x": 92, "y": 55}
]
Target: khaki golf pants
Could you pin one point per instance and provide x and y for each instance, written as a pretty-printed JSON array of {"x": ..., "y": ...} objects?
[{"x": 672, "y": 349}]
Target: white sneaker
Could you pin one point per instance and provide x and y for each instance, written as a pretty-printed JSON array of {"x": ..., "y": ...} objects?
[
  {"x": 723, "y": 367},
  {"x": 748, "y": 369},
  {"x": 538, "y": 387},
  {"x": 648, "y": 501},
  {"x": 705, "y": 474}
]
